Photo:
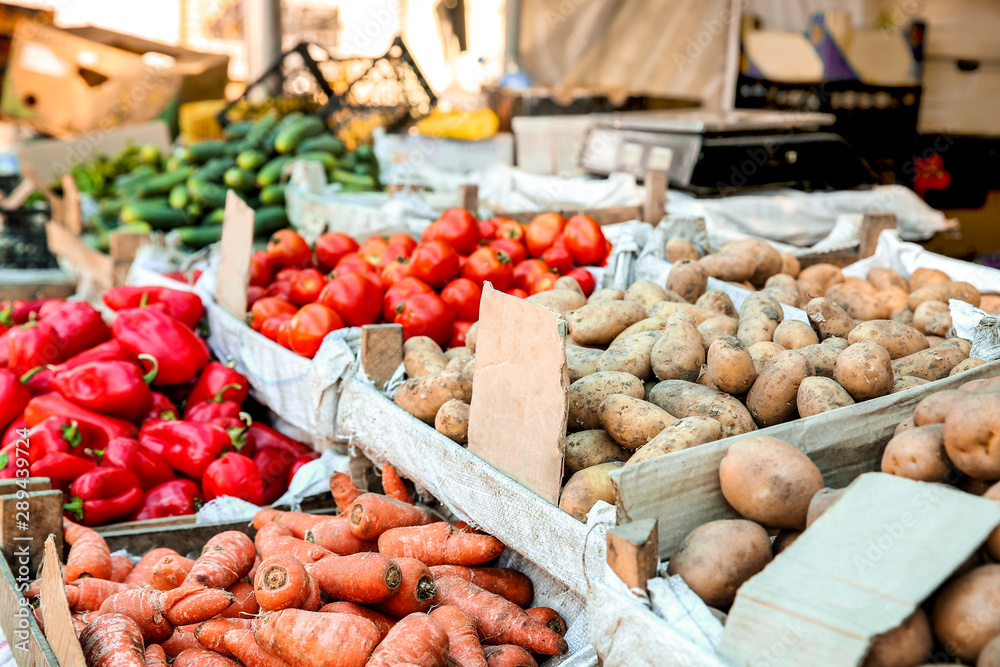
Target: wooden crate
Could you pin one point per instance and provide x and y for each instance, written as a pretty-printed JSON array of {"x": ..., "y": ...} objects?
[{"x": 37, "y": 284}]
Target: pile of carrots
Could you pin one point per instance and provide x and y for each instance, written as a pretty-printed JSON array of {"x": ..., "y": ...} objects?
[{"x": 383, "y": 583}]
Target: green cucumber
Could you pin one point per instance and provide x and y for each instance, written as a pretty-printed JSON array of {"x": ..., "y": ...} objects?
[
  {"x": 270, "y": 173},
  {"x": 273, "y": 195},
  {"x": 328, "y": 161},
  {"x": 294, "y": 133},
  {"x": 174, "y": 162},
  {"x": 255, "y": 137},
  {"x": 350, "y": 178},
  {"x": 252, "y": 159},
  {"x": 162, "y": 184},
  {"x": 209, "y": 195},
  {"x": 206, "y": 150},
  {"x": 238, "y": 130},
  {"x": 325, "y": 142},
  {"x": 179, "y": 197},
  {"x": 137, "y": 227},
  {"x": 199, "y": 237},
  {"x": 110, "y": 207},
  {"x": 239, "y": 179},
  {"x": 215, "y": 217},
  {"x": 157, "y": 213},
  {"x": 213, "y": 170},
  {"x": 269, "y": 219}
]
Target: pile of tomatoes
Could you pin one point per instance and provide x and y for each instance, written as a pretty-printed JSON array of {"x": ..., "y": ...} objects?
[{"x": 432, "y": 288}]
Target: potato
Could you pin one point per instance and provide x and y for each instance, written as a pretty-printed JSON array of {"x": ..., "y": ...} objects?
[
  {"x": 677, "y": 249},
  {"x": 590, "y": 448},
  {"x": 688, "y": 279},
  {"x": 939, "y": 325},
  {"x": 687, "y": 399},
  {"x": 760, "y": 315},
  {"x": 598, "y": 323},
  {"x": 860, "y": 284},
  {"x": 892, "y": 301},
  {"x": 569, "y": 283},
  {"x": 665, "y": 309},
  {"x": 772, "y": 397},
  {"x": 966, "y": 365},
  {"x": 678, "y": 354},
  {"x": 862, "y": 306},
  {"x": 918, "y": 453},
  {"x": 704, "y": 379},
  {"x": 898, "y": 339},
  {"x": 931, "y": 364},
  {"x": 795, "y": 334},
  {"x": 645, "y": 293},
  {"x": 864, "y": 370},
  {"x": 976, "y": 487},
  {"x": 790, "y": 265},
  {"x": 992, "y": 546},
  {"x": 632, "y": 422},
  {"x": 989, "y": 656},
  {"x": 836, "y": 342},
  {"x": 648, "y": 324},
  {"x": 823, "y": 358},
  {"x": 935, "y": 408},
  {"x": 728, "y": 266},
  {"x": 964, "y": 345},
  {"x": 921, "y": 278},
  {"x": 884, "y": 279},
  {"x": 986, "y": 385},
  {"x": 716, "y": 299},
  {"x": 972, "y": 435},
  {"x": 769, "y": 481},
  {"x": 581, "y": 361},
  {"x": 904, "y": 382},
  {"x": 452, "y": 420},
  {"x": 965, "y": 616},
  {"x": 784, "y": 294},
  {"x": 422, "y": 356},
  {"x": 904, "y": 646},
  {"x": 559, "y": 300},
  {"x": 587, "y": 394},
  {"x": 682, "y": 434},
  {"x": 730, "y": 365},
  {"x": 944, "y": 291},
  {"x": 423, "y": 397},
  {"x": 762, "y": 353},
  {"x": 784, "y": 539},
  {"x": 453, "y": 352},
  {"x": 829, "y": 319},
  {"x": 630, "y": 354},
  {"x": 716, "y": 327},
  {"x": 606, "y": 294},
  {"x": 767, "y": 260},
  {"x": 585, "y": 487},
  {"x": 820, "y": 503},
  {"x": 821, "y": 275},
  {"x": 820, "y": 394},
  {"x": 904, "y": 316},
  {"x": 471, "y": 336},
  {"x": 934, "y": 341},
  {"x": 904, "y": 425},
  {"x": 469, "y": 370},
  {"x": 459, "y": 363},
  {"x": 715, "y": 559},
  {"x": 990, "y": 303}
]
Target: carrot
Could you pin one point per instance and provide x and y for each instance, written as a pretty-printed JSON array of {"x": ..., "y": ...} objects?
[
  {"x": 382, "y": 622},
  {"x": 508, "y": 655},
  {"x": 201, "y": 657},
  {"x": 417, "y": 639},
  {"x": 307, "y": 552},
  {"x": 170, "y": 571},
  {"x": 142, "y": 573},
  {"x": 297, "y": 522},
  {"x": 113, "y": 640},
  {"x": 120, "y": 567},
  {"x": 225, "y": 558},
  {"x": 265, "y": 516},
  {"x": 269, "y": 531},
  {"x": 145, "y": 607},
  {"x": 439, "y": 544},
  {"x": 87, "y": 594},
  {"x": 498, "y": 620},
  {"x": 393, "y": 485},
  {"x": 366, "y": 578},
  {"x": 34, "y": 589},
  {"x": 181, "y": 640},
  {"x": 505, "y": 582},
  {"x": 372, "y": 514},
  {"x": 193, "y": 604},
  {"x": 211, "y": 634},
  {"x": 313, "y": 639},
  {"x": 550, "y": 618},
  {"x": 89, "y": 555},
  {"x": 281, "y": 583},
  {"x": 253, "y": 568},
  {"x": 344, "y": 491},
  {"x": 80, "y": 619},
  {"x": 415, "y": 591},
  {"x": 155, "y": 656},
  {"x": 246, "y": 601},
  {"x": 464, "y": 649},
  {"x": 242, "y": 644},
  {"x": 334, "y": 534},
  {"x": 466, "y": 528}
]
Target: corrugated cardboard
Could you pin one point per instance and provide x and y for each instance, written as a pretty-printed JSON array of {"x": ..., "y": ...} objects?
[{"x": 236, "y": 247}]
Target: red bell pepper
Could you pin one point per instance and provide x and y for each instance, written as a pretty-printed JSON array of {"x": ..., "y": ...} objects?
[
  {"x": 77, "y": 324},
  {"x": 61, "y": 466},
  {"x": 104, "y": 494},
  {"x": 274, "y": 466},
  {"x": 129, "y": 454},
  {"x": 5, "y": 348},
  {"x": 218, "y": 378},
  {"x": 98, "y": 430},
  {"x": 115, "y": 388},
  {"x": 183, "y": 306},
  {"x": 14, "y": 457},
  {"x": 267, "y": 438},
  {"x": 20, "y": 312},
  {"x": 176, "y": 498},
  {"x": 107, "y": 351},
  {"x": 162, "y": 408},
  {"x": 189, "y": 447},
  {"x": 213, "y": 408},
  {"x": 233, "y": 475},
  {"x": 299, "y": 462},
  {"x": 56, "y": 434},
  {"x": 38, "y": 380},
  {"x": 33, "y": 344},
  {"x": 14, "y": 397},
  {"x": 179, "y": 351},
  {"x": 15, "y": 431}
]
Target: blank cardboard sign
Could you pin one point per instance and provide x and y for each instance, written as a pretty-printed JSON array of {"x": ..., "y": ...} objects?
[
  {"x": 519, "y": 406},
  {"x": 234, "y": 264}
]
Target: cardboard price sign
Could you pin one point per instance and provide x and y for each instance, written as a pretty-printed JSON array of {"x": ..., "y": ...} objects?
[
  {"x": 234, "y": 265},
  {"x": 518, "y": 418}
]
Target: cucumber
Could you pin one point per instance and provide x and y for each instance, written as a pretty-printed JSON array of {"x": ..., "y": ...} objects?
[
  {"x": 238, "y": 130},
  {"x": 206, "y": 150},
  {"x": 208, "y": 195},
  {"x": 157, "y": 213},
  {"x": 162, "y": 184},
  {"x": 350, "y": 178},
  {"x": 328, "y": 161},
  {"x": 213, "y": 170},
  {"x": 269, "y": 219},
  {"x": 199, "y": 237},
  {"x": 179, "y": 197},
  {"x": 239, "y": 179},
  {"x": 252, "y": 159},
  {"x": 138, "y": 227},
  {"x": 215, "y": 217},
  {"x": 294, "y": 133},
  {"x": 325, "y": 142},
  {"x": 365, "y": 153},
  {"x": 255, "y": 137},
  {"x": 174, "y": 162},
  {"x": 270, "y": 173},
  {"x": 194, "y": 210},
  {"x": 129, "y": 181},
  {"x": 273, "y": 195},
  {"x": 348, "y": 161},
  {"x": 110, "y": 207},
  {"x": 149, "y": 154}
]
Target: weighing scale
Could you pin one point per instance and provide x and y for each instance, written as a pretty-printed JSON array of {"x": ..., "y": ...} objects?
[{"x": 713, "y": 153}]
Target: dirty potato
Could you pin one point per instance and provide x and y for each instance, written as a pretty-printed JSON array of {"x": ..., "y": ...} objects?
[
  {"x": 598, "y": 323},
  {"x": 665, "y": 309},
  {"x": 716, "y": 327},
  {"x": 790, "y": 265},
  {"x": 678, "y": 354},
  {"x": 689, "y": 399},
  {"x": 606, "y": 294},
  {"x": 630, "y": 354},
  {"x": 922, "y": 277},
  {"x": 944, "y": 291},
  {"x": 829, "y": 319},
  {"x": 677, "y": 249},
  {"x": 898, "y": 339},
  {"x": 688, "y": 279},
  {"x": 772, "y": 398},
  {"x": 452, "y": 420},
  {"x": 767, "y": 260},
  {"x": 581, "y": 361},
  {"x": 587, "y": 394},
  {"x": 883, "y": 279},
  {"x": 471, "y": 336},
  {"x": 905, "y": 382},
  {"x": 422, "y": 356},
  {"x": 590, "y": 448},
  {"x": 823, "y": 358},
  {"x": 569, "y": 283},
  {"x": 559, "y": 300},
  {"x": 820, "y": 394},
  {"x": 423, "y": 397},
  {"x": 648, "y": 324},
  {"x": 730, "y": 365},
  {"x": 795, "y": 334},
  {"x": 762, "y": 353},
  {"x": 760, "y": 316},
  {"x": 972, "y": 435},
  {"x": 931, "y": 364},
  {"x": 632, "y": 422},
  {"x": 682, "y": 434},
  {"x": 645, "y": 293},
  {"x": 730, "y": 267},
  {"x": 585, "y": 488},
  {"x": 966, "y": 365},
  {"x": 864, "y": 370},
  {"x": 934, "y": 409},
  {"x": 939, "y": 325},
  {"x": 716, "y": 299},
  {"x": 918, "y": 453}
]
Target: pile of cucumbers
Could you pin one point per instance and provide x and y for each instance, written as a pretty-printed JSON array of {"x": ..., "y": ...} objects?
[{"x": 186, "y": 192}]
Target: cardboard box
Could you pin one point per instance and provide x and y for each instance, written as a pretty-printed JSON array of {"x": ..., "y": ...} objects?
[
  {"x": 75, "y": 80},
  {"x": 960, "y": 97},
  {"x": 10, "y": 17}
]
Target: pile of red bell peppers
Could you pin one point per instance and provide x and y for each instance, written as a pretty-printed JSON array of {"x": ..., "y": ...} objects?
[{"x": 95, "y": 409}]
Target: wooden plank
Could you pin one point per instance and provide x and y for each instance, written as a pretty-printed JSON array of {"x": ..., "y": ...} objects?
[
  {"x": 27, "y": 643},
  {"x": 633, "y": 552},
  {"x": 234, "y": 264},
  {"x": 655, "y": 205},
  {"x": 468, "y": 198},
  {"x": 59, "y": 631},
  {"x": 381, "y": 351},
  {"x": 873, "y": 224},
  {"x": 26, "y": 519},
  {"x": 8, "y": 486},
  {"x": 63, "y": 288}
]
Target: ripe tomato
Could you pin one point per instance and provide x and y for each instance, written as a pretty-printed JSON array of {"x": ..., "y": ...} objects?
[
  {"x": 284, "y": 333},
  {"x": 331, "y": 248},
  {"x": 353, "y": 263},
  {"x": 585, "y": 240},
  {"x": 492, "y": 265},
  {"x": 373, "y": 250},
  {"x": 542, "y": 231},
  {"x": 458, "y": 332},
  {"x": 585, "y": 278},
  {"x": 309, "y": 326},
  {"x": 272, "y": 324},
  {"x": 434, "y": 262},
  {"x": 307, "y": 286},
  {"x": 560, "y": 242},
  {"x": 456, "y": 227},
  {"x": 508, "y": 229},
  {"x": 395, "y": 271},
  {"x": 281, "y": 289},
  {"x": 286, "y": 275},
  {"x": 354, "y": 297},
  {"x": 287, "y": 248},
  {"x": 403, "y": 242},
  {"x": 514, "y": 250},
  {"x": 254, "y": 292},
  {"x": 463, "y": 296},
  {"x": 518, "y": 292},
  {"x": 558, "y": 260},
  {"x": 426, "y": 315},
  {"x": 527, "y": 272},
  {"x": 400, "y": 292},
  {"x": 261, "y": 269},
  {"x": 607, "y": 252},
  {"x": 268, "y": 307},
  {"x": 487, "y": 231},
  {"x": 544, "y": 283}
]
